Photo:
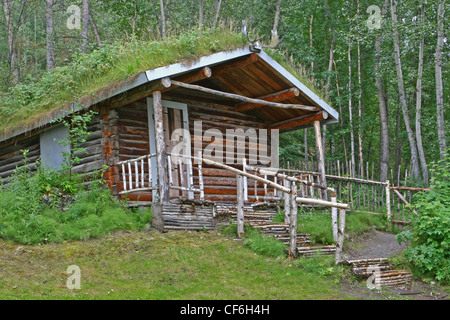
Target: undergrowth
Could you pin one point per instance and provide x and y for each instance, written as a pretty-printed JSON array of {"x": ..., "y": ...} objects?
[{"x": 48, "y": 207}]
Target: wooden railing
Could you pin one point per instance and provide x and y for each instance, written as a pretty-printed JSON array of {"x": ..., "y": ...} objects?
[
  {"x": 137, "y": 174},
  {"x": 183, "y": 167}
]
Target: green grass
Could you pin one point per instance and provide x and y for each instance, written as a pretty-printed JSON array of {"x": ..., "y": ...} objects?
[
  {"x": 152, "y": 265},
  {"x": 33, "y": 102},
  {"x": 32, "y": 210}
]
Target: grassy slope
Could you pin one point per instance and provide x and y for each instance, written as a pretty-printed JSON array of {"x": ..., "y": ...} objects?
[{"x": 143, "y": 265}]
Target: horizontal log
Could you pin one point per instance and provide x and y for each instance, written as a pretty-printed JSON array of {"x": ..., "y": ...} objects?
[
  {"x": 244, "y": 99},
  {"x": 322, "y": 203},
  {"x": 409, "y": 188},
  {"x": 300, "y": 121},
  {"x": 275, "y": 97}
]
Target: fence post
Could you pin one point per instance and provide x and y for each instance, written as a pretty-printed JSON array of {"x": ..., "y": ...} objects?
[
  {"x": 341, "y": 232},
  {"x": 240, "y": 206},
  {"x": 293, "y": 221},
  {"x": 388, "y": 202},
  {"x": 287, "y": 202},
  {"x": 334, "y": 217}
]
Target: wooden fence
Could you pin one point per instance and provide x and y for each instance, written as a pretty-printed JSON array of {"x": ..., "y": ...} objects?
[{"x": 395, "y": 197}]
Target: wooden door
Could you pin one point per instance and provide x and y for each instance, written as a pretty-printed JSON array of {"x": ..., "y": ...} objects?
[{"x": 175, "y": 116}]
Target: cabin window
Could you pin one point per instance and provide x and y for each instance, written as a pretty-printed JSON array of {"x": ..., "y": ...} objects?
[{"x": 52, "y": 150}]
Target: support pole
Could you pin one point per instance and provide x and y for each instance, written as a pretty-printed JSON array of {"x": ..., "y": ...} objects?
[
  {"x": 334, "y": 217},
  {"x": 240, "y": 205},
  {"x": 287, "y": 202},
  {"x": 320, "y": 157},
  {"x": 293, "y": 222},
  {"x": 388, "y": 202},
  {"x": 341, "y": 232},
  {"x": 160, "y": 148}
]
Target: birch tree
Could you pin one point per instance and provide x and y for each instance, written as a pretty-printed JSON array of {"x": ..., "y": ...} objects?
[
  {"x": 84, "y": 25},
  {"x": 382, "y": 105},
  {"x": 420, "y": 150},
  {"x": 439, "y": 84},
  {"x": 402, "y": 95},
  {"x": 50, "y": 35}
]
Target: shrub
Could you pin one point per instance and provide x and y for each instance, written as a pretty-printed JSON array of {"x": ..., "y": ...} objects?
[
  {"x": 429, "y": 236},
  {"x": 34, "y": 207}
]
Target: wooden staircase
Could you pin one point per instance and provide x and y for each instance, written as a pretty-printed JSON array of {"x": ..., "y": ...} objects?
[
  {"x": 385, "y": 275},
  {"x": 262, "y": 219}
]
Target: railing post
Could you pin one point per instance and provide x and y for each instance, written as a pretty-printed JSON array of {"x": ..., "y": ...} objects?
[
  {"x": 341, "y": 232},
  {"x": 293, "y": 221},
  {"x": 200, "y": 177},
  {"x": 160, "y": 148},
  {"x": 287, "y": 202},
  {"x": 388, "y": 202},
  {"x": 334, "y": 217},
  {"x": 240, "y": 206}
]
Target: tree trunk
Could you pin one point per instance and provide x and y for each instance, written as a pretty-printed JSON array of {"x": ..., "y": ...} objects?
[
  {"x": 423, "y": 161},
  {"x": 84, "y": 25},
  {"x": 95, "y": 29},
  {"x": 384, "y": 114},
  {"x": 163, "y": 19},
  {"x": 276, "y": 23},
  {"x": 360, "y": 141},
  {"x": 340, "y": 112},
  {"x": 311, "y": 46},
  {"x": 200, "y": 15},
  {"x": 439, "y": 85},
  {"x": 50, "y": 36},
  {"x": 350, "y": 112},
  {"x": 14, "y": 70},
  {"x": 216, "y": 16},
  {"x": 402, "y": 96}
]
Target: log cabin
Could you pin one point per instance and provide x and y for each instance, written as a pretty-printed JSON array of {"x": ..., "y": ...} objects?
[{"x": 164, "y": 135}]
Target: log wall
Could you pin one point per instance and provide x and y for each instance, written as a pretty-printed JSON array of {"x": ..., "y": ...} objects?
[
  {"x": 220, "y": 185},
  {"x": 133, "y": 141},
  {"x": 11, "y": 155}
]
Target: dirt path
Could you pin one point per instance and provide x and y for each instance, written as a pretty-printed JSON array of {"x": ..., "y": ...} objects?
[
  {"x": 380, "y": 244},
  {"x": 374, "y": 244}
]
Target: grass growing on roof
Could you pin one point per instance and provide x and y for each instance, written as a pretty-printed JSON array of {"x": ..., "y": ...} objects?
[{"x": 30, "y": 102}]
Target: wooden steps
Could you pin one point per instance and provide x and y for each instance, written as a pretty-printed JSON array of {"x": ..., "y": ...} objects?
[
  {"x": 384, "y": 274},
  {"x": 280, "y": 231}
]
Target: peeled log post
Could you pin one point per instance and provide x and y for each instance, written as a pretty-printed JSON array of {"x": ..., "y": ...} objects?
[
  {"x": 334, "y": 216},
  {"x": 160, "y": 148},
  {"x": 341, "y": 232},
  {"x": 388, "y": 202},
  {"x": 287, "y": 204},
  {"x": 293, "y": 221},
  {"x": 240, "y": 206},
  {"x": 320, "y": 157}
]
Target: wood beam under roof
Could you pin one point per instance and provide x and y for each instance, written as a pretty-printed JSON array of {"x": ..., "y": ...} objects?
[
  {"x": 275, "y": 97},
  {"x": 300, "y": 121},
  {"x": 244, "y": 99}
]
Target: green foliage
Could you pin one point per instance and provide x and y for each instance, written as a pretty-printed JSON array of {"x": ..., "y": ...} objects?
[
  {"x": 45, "y": 206},
  {"x": 77, "y": 125},
  {"x": 429, "y": 236},
  {"x": 258, "y": 242},
  {"x": 319, "y": 225}
]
